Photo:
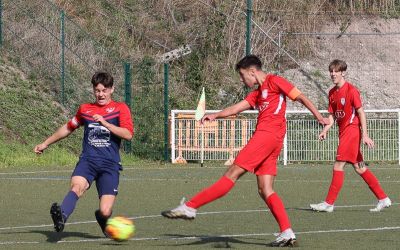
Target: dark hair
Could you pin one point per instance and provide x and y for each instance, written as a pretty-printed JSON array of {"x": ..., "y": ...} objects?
[
  {"x": 249, "y": 61},
  {"x": 337, "y": 65},
  {"x": 104, "y": 78}
]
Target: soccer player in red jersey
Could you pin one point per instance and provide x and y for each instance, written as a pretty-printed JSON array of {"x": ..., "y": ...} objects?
[
  {"x": 260, "y": 154},
  {"x": 105, "y": 123},
  {"x": 346, "y": 108}
]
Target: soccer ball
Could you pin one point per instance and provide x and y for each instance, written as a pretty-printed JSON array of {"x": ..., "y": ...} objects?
[{"x": 120, "y": 228}]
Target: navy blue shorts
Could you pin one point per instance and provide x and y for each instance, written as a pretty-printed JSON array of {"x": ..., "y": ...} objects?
[{"x": 105, "y": 173}]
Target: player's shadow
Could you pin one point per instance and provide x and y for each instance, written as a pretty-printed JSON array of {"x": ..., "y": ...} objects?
[
  {"x": 54, "y": 237},
  {"x": 309, "y": 209},
  {"x": 213, "y": 241}
]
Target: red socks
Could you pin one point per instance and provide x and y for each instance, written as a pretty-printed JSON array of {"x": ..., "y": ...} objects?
[
  {"x": 336, "y": 185},
  {"x": 224, "y": 185},
  {"x": 373, "y": 184},
  {"x": 277, "y": 208},
  {"x": 213, "y": 192}
]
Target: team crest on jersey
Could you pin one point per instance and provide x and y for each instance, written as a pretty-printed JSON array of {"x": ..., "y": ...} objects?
[
  {"x": 264, "y": 93},
  {"x": 342, "y": 101},
  {"x": 109, "y": 110}
]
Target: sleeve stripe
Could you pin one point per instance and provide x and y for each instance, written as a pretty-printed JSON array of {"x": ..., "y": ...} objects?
[
  {"x": 73, "y": 124},
  {"x": 294, "y": 93}
]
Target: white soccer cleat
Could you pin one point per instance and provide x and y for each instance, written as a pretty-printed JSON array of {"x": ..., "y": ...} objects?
[
  {"x": 384, "y": 203},
  {"x": 322, "y": 207},
  {"x": 285, "y": 239},
  {"x": 180, "y": 212}
]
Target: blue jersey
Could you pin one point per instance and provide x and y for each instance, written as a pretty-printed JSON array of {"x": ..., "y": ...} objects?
[{"x": 98, "y": 142}]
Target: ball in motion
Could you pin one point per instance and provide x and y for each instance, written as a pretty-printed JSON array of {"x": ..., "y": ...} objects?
[{"x": 120, "y": 228}]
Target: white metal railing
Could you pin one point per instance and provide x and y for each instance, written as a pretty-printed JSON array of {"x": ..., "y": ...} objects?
[{"x": 222, "y": 139}]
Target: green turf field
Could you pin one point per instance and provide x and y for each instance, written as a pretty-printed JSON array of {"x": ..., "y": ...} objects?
[{"x": 239, "y": 220}]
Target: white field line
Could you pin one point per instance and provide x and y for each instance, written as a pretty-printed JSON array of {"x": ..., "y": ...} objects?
[
  {"x": 180, "y": 169},
  {"x": 65, "y": 178},
  {"x": 199, "y": 213},
  {"x": 240, "y": 235},
  {"x": 346, "y": 230}
]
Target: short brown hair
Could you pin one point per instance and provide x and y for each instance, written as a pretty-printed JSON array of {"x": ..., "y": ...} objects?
[
  {"x": 249, "y": 61},
  {"x": 104, "y": 78},
  {"x": 337, "y": 65}
]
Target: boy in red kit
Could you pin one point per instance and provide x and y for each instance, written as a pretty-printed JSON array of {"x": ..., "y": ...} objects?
[
  {"x": 345, "y": 106},
  {"x": 105, "y": 123},
  {"x": 260, "y": 154}
]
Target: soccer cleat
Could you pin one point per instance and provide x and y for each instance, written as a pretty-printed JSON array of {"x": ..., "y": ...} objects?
[
  {"x": 56, "y": 216},
  {"x": 322, "y": 207},
  {"x": 102, "y": 221},
  {"x": 384, "y": 203},
  {"x": 285, "y": 239},
  {"x": 180, "y": 212}
]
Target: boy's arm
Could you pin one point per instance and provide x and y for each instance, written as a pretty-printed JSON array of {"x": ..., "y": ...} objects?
[
  {"x": 310, "y": 106},
  {"x": 322, "y": 135},
  {"x": 121, "y": 132},
  {"x": 231, "y": 110},
  {"x": 363, "y": 120},
  {"x": 60, "y": 133}
]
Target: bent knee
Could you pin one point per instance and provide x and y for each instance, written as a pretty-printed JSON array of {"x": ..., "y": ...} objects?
[
  {"x": 78, "y": 190},
  {"x": 106, "y": 212},
  {"x": 359, "y": 170},
  {"x": 265, "y": 192}
]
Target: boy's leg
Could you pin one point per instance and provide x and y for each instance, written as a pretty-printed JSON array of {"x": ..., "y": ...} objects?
[
  {"x": 374, "y": 186},
  {"x": 209, "y": 194},
  {"x": 81, "y": 179},
  {"x": 105, "y": 211},
  {"x": 277, "y": 208},
  {"x": 107, "y": 184},
  {"x": 334, "y": 189},
  {"x": 371, "y": 181},
  {"x": 218, "y": 189},
  {"x": 79, "y": 185}
]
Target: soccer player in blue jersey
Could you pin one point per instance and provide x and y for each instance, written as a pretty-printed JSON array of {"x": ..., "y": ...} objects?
[{"x": 105, "y": 123}]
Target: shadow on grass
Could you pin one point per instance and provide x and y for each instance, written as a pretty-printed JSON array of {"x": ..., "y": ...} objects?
[
  {"x": 54, "y": 237},
  {"x": 301, "y": 209},
  {"x": 212, "y": 241}
]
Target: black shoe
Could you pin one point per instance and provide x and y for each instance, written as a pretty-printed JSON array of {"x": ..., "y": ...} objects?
[
  {"x": 102, "y": 221},
  {"x": 282, "y": 242},
  {"x": 56, "y": 215}
]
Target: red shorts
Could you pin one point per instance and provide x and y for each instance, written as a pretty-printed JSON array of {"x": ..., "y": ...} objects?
[
  {"x": 349, "y": 145},
  {"x": 261, "y": 153}
]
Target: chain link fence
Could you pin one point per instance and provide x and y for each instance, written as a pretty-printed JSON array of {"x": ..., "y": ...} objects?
[{"x": 298, "y": 43}]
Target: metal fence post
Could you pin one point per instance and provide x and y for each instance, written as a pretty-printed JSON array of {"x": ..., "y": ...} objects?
[
  {"x": 248, "y": 27},
  {"x": 1, "y": 23},
  {"x": 128, "y": 98},
  {"x": 62, "y": 57},
  {"x": 279, "y": 52},
  {"x": 166, "y": 73}
]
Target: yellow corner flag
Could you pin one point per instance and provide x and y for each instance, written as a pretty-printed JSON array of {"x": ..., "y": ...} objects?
[{"x": 201, "y": 107}]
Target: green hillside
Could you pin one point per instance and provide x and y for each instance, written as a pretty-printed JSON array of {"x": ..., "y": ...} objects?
[
  {"x": 105, "y": 34},
  {"x": 28, "y": 114}
]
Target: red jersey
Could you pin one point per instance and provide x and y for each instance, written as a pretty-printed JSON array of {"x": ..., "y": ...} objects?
[
  {"x": 343, "y": 103},
  {"x": 98, "y": 141},
  {"x": 270, "y": 100}
]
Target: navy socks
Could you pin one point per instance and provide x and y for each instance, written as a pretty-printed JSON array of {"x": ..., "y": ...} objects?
[{"x": 68, "y": 204}]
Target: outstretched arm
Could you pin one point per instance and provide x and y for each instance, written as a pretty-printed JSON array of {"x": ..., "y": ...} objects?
[
  {"x": 60, "y": 133},
  {"x": 310, "y": 106},
  {"x": 231, "y": 110}
]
